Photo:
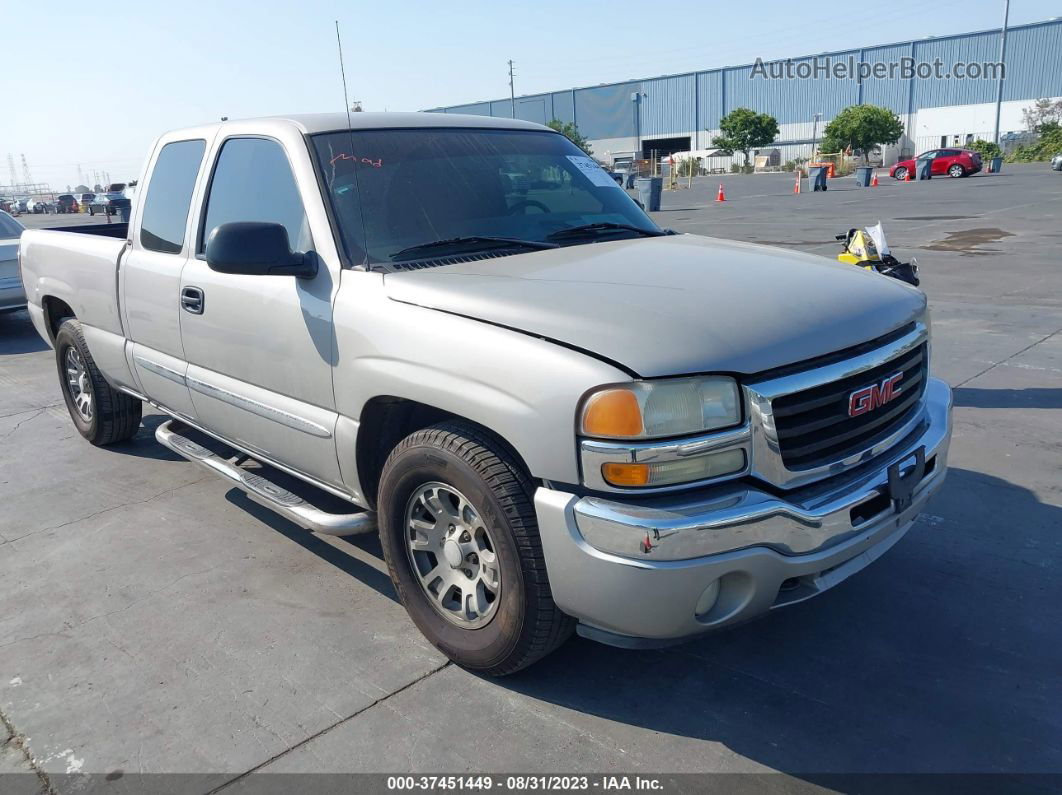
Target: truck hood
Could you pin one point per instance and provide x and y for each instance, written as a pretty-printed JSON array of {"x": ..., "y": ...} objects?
[{"x": 673, "y": 305}]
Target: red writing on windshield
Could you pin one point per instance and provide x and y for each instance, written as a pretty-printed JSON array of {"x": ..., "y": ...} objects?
[{"x": 378, "y": 163}]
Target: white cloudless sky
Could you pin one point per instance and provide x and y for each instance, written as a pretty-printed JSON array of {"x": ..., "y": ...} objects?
[{"x": 92, "y": 83}]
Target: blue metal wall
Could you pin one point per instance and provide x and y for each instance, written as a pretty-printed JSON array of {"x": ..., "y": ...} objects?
[{"x": 681, "y": 104}]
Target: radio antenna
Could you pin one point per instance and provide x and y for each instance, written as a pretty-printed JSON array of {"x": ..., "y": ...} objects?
[
  {"x": 343, "y": 74},
  {"x": 353, "y": 163}
]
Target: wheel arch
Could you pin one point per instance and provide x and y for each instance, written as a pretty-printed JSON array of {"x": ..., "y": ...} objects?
[
  {"x": 388, "y": 419},
  {"x": 56, "y": 310}
]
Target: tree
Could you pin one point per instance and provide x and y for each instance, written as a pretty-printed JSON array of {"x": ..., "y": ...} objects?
[
  {"x": 569, "y": 130},
  {"x": 861, "y": 127},
  {"x": 987, "y": 149},
  {"x": 1042, "y": 111},
  {"x": 744, "y": 129}
]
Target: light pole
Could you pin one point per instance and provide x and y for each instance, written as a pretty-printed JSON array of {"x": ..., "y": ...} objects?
[
  {"x": 1002, "y": 67},
  {"x": 815, "y": 133}
]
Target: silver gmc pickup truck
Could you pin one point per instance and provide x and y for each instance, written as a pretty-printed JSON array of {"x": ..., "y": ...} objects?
[{"x": 461, "y": 333}]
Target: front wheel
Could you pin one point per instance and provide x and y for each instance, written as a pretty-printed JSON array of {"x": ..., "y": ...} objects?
[
  {"x": 459, "y": 534},
  {"x": 956, "y": 171},
  {"x": 100, "y": 413},
  {"x": 901, "y": 174}
]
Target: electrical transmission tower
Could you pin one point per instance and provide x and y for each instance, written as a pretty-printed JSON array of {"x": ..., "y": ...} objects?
[
  {"x": 11, "y": 168},
  {"x": 26, "y": 172}
]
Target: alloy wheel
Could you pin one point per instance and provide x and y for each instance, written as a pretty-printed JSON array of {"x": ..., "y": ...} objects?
[
  {"x": 453, "y": 555},
  {"x": 78, "y": 383}
]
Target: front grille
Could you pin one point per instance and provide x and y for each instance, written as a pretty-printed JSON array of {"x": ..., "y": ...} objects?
[{"x": 814, "y": 428}]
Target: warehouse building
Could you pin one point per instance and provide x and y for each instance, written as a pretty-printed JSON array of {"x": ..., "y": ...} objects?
[{"x": 946, "y": 95}]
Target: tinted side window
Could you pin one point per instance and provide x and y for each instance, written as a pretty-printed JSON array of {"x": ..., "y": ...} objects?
[
  {"x": 253, "y": 182},
  {"x": 169, "y": 196}
]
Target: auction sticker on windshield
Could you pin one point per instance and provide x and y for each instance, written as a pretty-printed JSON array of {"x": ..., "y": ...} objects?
[{"x": 593, "y": 171}]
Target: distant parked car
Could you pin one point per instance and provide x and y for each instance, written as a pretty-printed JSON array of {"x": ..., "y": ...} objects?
[
  {"x": 1056, "y": 162},
  {"x": 12, "y": 294},
  {"x": 110, "y": 202},
  {"x": 953, "y": 162},
  {"x": 84, "y": 200},
  {"x": 38, "y": 206},
  {"x": 66, "y": 203},
  {"x": 19, "y": 206}
]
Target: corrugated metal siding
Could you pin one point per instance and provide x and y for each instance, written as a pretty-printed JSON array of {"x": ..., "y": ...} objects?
[
  {"x": 791, "y": 100},
  {"x": 1034, "y": 62},
  {"x": 606, "y": 111},
  {"x": 475, "y": 109},
  {"x": 678, "y": 104},
  {"x": 936, "y": 93},
  {"x": 535, "y": 108},
  {"x": 667, "y": 105},
  {"x": 886, "y": 92},
  {"x": 501, "y": 108},
  {"x": 564, "y": 105},
  {"x": 709, "y": 100}
]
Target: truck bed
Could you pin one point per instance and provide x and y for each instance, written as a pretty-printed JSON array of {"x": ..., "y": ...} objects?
[
  {"x": 78, "y": 266},
  {"x": 116, "y": 229}
]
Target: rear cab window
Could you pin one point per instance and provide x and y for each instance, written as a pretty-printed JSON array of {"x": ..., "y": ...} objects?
[{"x": 169, "y": 196}]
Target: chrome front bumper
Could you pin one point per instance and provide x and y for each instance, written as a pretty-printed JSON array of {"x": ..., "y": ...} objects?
[{"x": 671, "y": 567}]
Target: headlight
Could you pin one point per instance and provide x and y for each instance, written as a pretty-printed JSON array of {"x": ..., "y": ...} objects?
[{"x": 654, "y": 409}]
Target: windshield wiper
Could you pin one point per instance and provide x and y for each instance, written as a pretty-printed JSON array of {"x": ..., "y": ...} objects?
[
  {"x": 470, "y": 243},
  {"x": 590, "y": 230}
]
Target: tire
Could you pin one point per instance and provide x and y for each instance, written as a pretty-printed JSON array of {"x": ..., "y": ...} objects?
[
  {"x": 956, "y": 171},
  {"x": 522, "y": 624},
  {"x": 901, "y": 174},
  {"x": 112, "y": 416}
]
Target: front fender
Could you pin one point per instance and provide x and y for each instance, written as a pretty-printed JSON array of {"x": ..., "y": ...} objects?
[{"x": 522, "y": 388}]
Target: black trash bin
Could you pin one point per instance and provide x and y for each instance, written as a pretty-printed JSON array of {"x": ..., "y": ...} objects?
[
  {"x": 649, "y": 190},
  {"x": 862, "y": 175},
  {"x": 817, "y": 177},
  {"x": 997, "y": 164},
  {"x": 923, "y": 169}
]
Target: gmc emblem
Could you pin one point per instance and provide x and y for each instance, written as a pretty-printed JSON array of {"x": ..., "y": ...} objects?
[{"x": 874, "y": 396}]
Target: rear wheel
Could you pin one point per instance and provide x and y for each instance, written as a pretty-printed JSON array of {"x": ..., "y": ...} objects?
[
  {"x": 461, "y": 542},
  {"x": 101, "y": 414},
  {"x": 901, "y": 173},
  {"x": 956, "y": 171}
]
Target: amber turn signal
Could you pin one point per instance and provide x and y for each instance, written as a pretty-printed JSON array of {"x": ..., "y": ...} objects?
[
  {"x": 613, "y": 412},
  {"x": 625, "y": 474}
]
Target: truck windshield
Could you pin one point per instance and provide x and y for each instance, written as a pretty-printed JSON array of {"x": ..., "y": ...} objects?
[{"x": 402, "y": 194}]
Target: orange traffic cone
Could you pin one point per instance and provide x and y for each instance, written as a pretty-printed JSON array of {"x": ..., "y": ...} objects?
[
  {"x": 796, "y": 185},
  {"x": 908, "y": 177},
  {"x": 874, "y": 181},
  {"x": 720, "y": 197}
]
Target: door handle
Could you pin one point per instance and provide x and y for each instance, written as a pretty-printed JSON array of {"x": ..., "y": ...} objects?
[{"x": 192, "y": 300}]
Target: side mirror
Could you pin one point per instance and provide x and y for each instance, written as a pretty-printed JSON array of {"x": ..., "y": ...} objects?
[{"x": 255, "y": 248}]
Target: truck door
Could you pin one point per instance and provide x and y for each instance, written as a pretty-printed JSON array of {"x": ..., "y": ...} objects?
[
  {"x": 150, "y": 274},
  {"x": 260, "y": 347}
]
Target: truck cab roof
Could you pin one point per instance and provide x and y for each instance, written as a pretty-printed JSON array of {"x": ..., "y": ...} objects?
[{"x": 311, "y": 123}]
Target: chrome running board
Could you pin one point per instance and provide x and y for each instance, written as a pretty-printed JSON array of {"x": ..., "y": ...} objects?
[{"x": 264, "y": 491}]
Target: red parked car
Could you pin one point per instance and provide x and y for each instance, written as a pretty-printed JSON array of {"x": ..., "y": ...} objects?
[{"x": 953, "y": 162}]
